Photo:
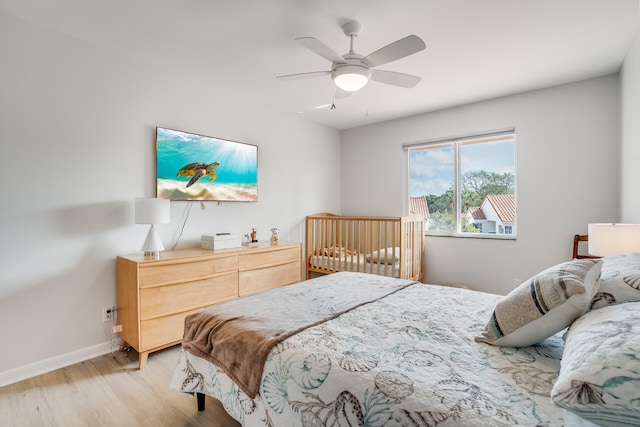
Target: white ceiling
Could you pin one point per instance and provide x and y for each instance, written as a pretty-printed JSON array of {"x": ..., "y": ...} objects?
[{"x": 476, "y": 49}]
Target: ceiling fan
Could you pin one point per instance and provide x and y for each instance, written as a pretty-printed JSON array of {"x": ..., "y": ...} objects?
[{"x": 352, "y": 71}]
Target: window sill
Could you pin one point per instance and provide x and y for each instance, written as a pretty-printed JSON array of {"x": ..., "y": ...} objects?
[{"x": 471, "y": 235}]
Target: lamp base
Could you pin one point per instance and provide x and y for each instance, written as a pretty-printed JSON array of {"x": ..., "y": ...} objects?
[
  {"x": 152, "y": 245},
  {"x": 152, "y": 255}
]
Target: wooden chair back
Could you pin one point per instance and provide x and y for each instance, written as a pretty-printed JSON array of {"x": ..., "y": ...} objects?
[{"x": 576, "y": 246}]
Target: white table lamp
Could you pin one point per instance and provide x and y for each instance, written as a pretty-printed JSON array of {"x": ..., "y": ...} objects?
[
  {"x": 152, "y": 211},
  {"x": 611, "y": 239}
]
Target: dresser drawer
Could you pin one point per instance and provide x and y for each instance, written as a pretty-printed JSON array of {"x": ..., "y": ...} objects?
[
  {"x": 248, "y": 261},
  {"x": 162, "y": 331},
  {"x": 160, "y": 301},
  {"x": 170, "y": 272},
  {"x": 251, "y": 281}
]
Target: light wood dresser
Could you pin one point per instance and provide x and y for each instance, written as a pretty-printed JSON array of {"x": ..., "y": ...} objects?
[{"x": 155, "y": 295}]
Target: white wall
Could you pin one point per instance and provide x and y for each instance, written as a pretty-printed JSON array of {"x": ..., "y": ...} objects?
[
  {"x": 630, "y": 125},
  {"x": 77, "y": 134},
  {"x": 567, "y": 176}
]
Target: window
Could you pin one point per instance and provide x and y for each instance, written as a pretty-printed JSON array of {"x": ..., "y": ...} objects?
[{"x": 469, "y": 184}]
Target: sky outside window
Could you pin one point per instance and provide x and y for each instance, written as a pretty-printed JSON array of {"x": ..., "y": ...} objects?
[{"x": 431, "y": 169}]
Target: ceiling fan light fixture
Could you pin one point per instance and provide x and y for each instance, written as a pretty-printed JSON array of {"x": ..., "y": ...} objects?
[{"x": 351, "y": 77}]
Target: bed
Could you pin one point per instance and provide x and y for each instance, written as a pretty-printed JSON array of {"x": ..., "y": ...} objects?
[
  {"x": 386, "y": 246},
  {"x": 395, "y": 352}
]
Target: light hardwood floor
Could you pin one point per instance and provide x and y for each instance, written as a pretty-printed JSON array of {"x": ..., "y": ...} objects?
[{"x": 108, "y": 391}]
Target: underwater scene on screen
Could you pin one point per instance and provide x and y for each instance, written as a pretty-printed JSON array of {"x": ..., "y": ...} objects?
[{"x": 198, "y": 167}]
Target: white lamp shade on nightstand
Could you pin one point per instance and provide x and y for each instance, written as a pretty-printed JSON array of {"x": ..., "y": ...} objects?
[
  {"x": 152, "y": 211},
  {"x": 610, "y": 239}
]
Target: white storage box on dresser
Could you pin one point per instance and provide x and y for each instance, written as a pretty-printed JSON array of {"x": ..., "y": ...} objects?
[
  {"x": 155, "y": 295},
  {"x": 221, "y": 241}
]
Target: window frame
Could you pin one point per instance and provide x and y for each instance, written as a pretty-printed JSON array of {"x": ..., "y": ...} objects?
[{"x": 456, "y": 142}]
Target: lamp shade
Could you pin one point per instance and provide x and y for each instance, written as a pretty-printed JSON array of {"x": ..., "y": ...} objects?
[
  {"x": 351, "y": 77},
  {"x": 610, "y": 239},
  {"x": 153, "y": 211}
]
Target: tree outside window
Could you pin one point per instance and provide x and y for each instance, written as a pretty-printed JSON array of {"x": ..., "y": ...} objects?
[{"x": 469, "y": 184}]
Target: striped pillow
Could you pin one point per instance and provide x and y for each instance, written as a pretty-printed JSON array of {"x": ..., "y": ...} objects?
[{"x": 543, "y": 305}]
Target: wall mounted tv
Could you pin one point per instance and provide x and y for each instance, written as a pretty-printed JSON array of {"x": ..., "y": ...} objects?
[{"x": 198, "y": 167}]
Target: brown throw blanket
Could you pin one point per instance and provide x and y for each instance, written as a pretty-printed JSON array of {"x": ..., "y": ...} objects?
[{"x": 238, "y": 335}]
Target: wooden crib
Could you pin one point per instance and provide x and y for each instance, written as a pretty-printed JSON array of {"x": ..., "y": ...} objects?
[{"x": 387, "y": 246}]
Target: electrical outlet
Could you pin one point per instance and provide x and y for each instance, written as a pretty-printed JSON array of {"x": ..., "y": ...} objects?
[{"x": 107, "y": 313}]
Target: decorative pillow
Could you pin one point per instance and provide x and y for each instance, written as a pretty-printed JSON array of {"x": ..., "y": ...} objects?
[
  {"x": 388, "y": 256},
  {"x": 336, "y": 252},
  {"x": 599, "y": 377},
  {"x": 543, "y": 305},
  {"x": 620, "y": 280}
]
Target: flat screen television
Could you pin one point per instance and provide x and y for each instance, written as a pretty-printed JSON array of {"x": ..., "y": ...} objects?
[{"x": 199, "y": 167}]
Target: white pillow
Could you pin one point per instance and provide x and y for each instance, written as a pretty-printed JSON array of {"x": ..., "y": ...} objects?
[
  {"x": 599, "y": 377},
  {"x": 620, "y": 280},
  {"x": 388, "y": 256},
  {"x": 543, "y": 305}
]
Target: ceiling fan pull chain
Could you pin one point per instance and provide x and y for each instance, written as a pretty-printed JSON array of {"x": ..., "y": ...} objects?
[{"x": 366, "y": 113}]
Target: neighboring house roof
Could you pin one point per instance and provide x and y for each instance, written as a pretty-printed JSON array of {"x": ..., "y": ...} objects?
[
  {"x": 476, "y": 213},
  {"x": 504, "y": 205},
  {"x": 419, "y": 206}
]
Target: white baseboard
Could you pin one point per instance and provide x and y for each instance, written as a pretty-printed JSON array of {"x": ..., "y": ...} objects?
[{"x": 43, "y": 366}]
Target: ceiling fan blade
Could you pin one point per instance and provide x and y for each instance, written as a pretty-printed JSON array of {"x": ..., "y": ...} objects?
[
  {"x": 396, "y": 50},
  {"x": 321, "y": 49},
  {"x": 395, "y": 79},
  {"x": 303, "y": 75}
]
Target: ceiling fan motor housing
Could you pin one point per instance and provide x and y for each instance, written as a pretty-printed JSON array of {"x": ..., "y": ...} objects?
[{"x": 352, "y": 75}]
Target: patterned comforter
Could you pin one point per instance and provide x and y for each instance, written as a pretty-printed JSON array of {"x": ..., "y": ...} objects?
[{"x": 408, "y": 359}]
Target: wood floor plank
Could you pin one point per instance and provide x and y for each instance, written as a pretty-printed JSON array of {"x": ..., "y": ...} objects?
[{"x": 108, "y": 391}]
